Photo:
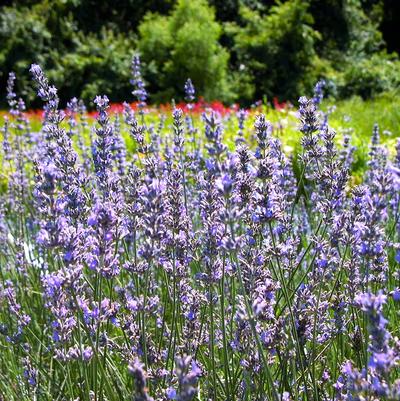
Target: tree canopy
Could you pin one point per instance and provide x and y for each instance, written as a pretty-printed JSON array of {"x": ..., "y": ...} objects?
[{"x": 233, "y": 50}]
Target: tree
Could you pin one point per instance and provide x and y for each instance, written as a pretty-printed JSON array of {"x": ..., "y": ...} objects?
[
  {"x": 185, "y": 45},
  {"x": 276, "y": 51}
]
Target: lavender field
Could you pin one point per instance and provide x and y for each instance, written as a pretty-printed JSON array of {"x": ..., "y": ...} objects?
[{"x": 144, "y": 259}]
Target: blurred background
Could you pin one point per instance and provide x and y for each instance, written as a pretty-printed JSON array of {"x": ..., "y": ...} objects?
[{"x": 233, "y": 50}]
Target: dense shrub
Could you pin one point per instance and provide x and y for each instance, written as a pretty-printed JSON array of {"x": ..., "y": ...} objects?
[
  {"x": 182, "y": 45},
  {"x": 268, "y": 48},
  {"x": 369, "y": 76},
  {"x": 44, "y": 33},
  {"x": 98, "y": 63},
  {"x": 277, "y": 50},
  {"x": 25, "y": 35}
]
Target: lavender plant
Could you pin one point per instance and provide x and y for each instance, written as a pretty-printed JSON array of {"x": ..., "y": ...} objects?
[{"x": 152, "y": 260}]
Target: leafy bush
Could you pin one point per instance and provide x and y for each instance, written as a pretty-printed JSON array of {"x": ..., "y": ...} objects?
[
  {"x": 369, "y": 76},
  {"x": 97, "y": 64},
  {"x": 25, "y": 36},
  {"x": 269, "y": 48},
  {"x": 185, "y": 45},
  {"x": 81, "y": 64},
  {"x": 277, "y": 49},
  {"x": 354, "y": 47}
]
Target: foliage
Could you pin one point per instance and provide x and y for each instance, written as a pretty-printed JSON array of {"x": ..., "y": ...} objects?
[
  {"x": 352, "y": 27},
  {"x": 354, "y": 45},
  {"x": 368, "y": 77},
  {"x": 249, "y": 48},
  {"x": 185, "y": 45},
  {"x": 26, "y": 34},
  {"x": 45, "y": 34},
  {"x": 270, "y": 48},
  {"x": 98, "y": 63}
]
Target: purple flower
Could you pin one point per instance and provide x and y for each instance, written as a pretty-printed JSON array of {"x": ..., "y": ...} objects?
[
  {"x": 189, "y": 91},
  {"x": 137, "y": 82},
  {"x": 136, "y": 370},
  {"x": 170, "y": 393}
]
